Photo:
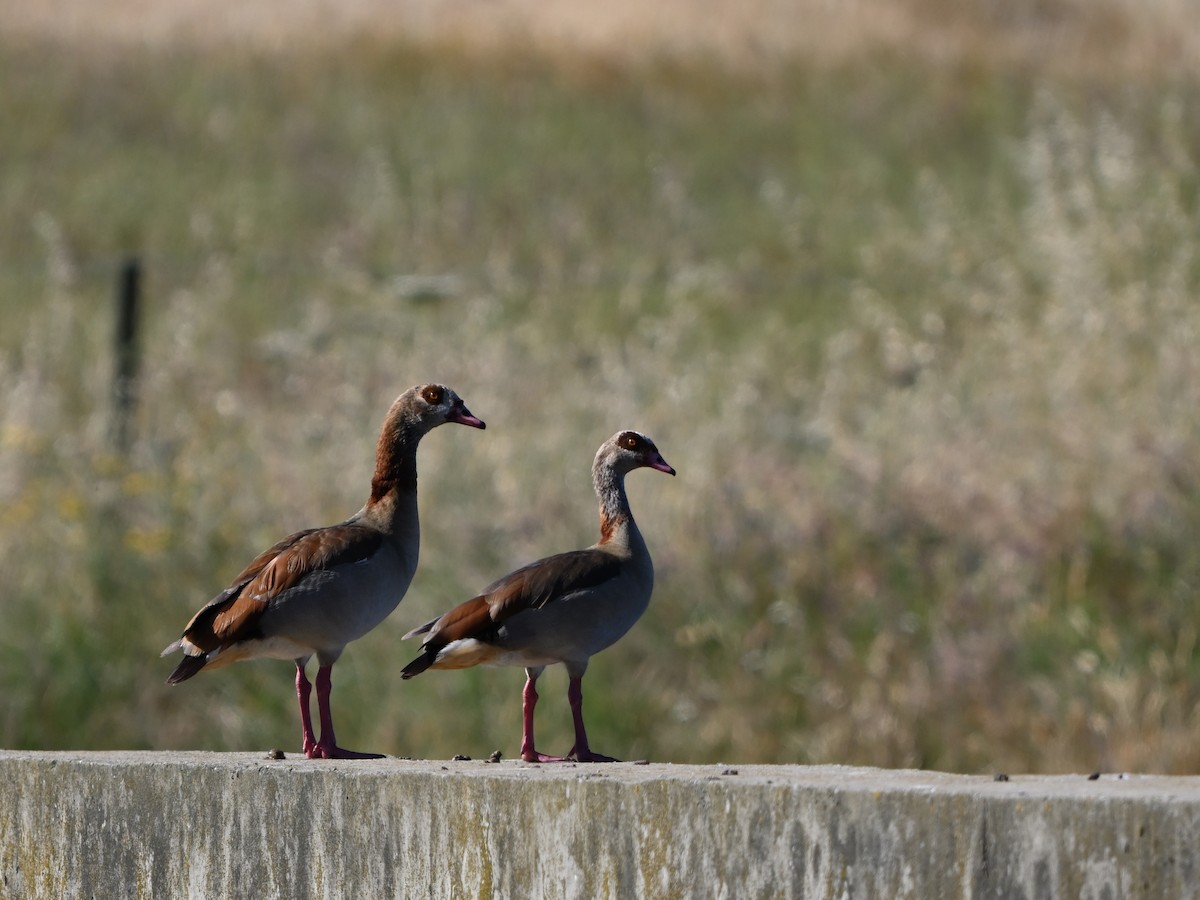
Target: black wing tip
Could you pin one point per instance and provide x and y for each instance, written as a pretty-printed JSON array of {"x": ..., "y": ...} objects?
[
  {"x": 188, "y": 666},
  {"x": 418, "y": 665}
]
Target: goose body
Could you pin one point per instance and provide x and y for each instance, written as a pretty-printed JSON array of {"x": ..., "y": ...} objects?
[
  {"x": 563, "y": 608},
  {"x": 317, "y": 590}
]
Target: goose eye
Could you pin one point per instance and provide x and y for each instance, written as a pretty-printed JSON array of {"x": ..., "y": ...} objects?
[
  {"x": 432, "y": 394},
  {"x": 631, "y": 442}
]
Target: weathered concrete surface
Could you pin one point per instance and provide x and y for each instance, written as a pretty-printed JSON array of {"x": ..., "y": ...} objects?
[{"x": 158, "y": 825}]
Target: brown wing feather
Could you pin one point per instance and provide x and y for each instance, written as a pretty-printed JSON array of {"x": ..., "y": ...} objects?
[
  {"x": 234, "y": 614},
  {"x": 530, "y": 587},
  {"x": 472, "y": 619},
  {"x": 542, "y": 582}
]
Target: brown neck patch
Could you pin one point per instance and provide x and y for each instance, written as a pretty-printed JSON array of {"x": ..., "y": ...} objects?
[
  {"x": 609, "y": 525},
  {"x": 395, "y": 464}
]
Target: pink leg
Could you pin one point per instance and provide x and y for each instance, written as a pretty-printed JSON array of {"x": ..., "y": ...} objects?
[
  {"x": 326, "y": 747},
  {"x": 529, "y": 698},
  {"x": 303, "y": 692},
  {"x": 580, "y": 751}
]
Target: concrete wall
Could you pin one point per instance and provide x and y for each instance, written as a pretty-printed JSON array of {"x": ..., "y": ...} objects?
[{"x": 157, "y": 825}]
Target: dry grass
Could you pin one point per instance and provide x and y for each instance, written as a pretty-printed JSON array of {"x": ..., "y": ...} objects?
[
  {"x": 1098, "y": 37},
  {"x": 919, "y": 339}
]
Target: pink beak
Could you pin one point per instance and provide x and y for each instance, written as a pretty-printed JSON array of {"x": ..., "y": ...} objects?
[
  {"x": 661, "y": 464},
  {"x": 461, "y": 415}
]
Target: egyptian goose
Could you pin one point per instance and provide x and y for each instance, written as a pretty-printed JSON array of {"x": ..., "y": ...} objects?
[
  {"x": 561, "y": 609},
  {"x": 317, "y": 590}
]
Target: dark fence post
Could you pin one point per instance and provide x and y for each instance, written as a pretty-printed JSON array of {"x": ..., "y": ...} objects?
[{"x": 129, "y": 285}]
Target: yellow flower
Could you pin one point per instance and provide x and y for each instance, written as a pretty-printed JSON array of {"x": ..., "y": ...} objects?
[{"x": 70, "y": 506}]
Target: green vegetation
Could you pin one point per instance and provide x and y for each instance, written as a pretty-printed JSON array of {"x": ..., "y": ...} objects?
[{"x": 921, "y": 341}]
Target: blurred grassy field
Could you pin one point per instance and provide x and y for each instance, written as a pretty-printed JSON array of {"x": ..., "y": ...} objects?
[{"x": 918, "y": 330}]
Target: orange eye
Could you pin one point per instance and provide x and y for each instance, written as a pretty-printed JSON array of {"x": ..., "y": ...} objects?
[
  {"x": 631, "y": 442},
  {"x": 432, "y": 394}
]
